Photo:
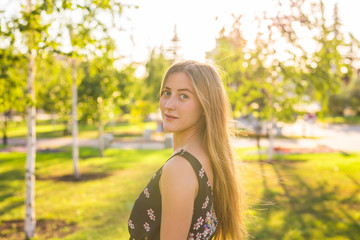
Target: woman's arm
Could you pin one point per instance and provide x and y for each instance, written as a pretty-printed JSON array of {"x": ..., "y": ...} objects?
[{"x": 178, "y": 187}]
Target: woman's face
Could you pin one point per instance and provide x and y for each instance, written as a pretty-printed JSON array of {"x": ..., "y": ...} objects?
[{"x": 180, "y": 108}]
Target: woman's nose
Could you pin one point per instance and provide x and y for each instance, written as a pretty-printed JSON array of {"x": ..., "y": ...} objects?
[{"x": 170, "y": 103}]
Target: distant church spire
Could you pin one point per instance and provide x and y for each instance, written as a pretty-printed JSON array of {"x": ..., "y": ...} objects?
[{"x": 175, "y": 45}]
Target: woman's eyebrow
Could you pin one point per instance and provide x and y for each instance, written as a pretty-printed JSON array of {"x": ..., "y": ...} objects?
[
  {"x": 185, "y": 89},
  {"x": 179, "y": 90}
]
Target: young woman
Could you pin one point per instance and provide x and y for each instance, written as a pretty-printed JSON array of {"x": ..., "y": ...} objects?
[{"x": 195, "y": 194}]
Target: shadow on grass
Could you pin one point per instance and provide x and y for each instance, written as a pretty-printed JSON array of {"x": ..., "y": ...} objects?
[
  {"x": 356, "y": 182},
  {"x": 52, "y": 134},
  {"x": 10, "y": 178},
  {"x": 11, "y": 175},
  {"x": 10, "y": 205},
  {"x": 127, "y": 135},
  {"x": 301, "y": 208},
  {"x": 45, "y": 228},
  {"x": 71, "y": 178}
]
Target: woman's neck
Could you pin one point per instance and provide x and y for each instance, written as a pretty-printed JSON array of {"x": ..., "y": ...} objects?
[{"x": 187, "y": 139}]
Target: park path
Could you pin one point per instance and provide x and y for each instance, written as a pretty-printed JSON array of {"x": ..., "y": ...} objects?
[{"x": 337, "y": 137}]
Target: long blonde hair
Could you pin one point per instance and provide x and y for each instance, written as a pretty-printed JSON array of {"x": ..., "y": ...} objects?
[{"x": 228, "y": 194}]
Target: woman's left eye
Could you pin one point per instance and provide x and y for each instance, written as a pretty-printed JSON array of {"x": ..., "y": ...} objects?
[{"x": 183, "y": 96}]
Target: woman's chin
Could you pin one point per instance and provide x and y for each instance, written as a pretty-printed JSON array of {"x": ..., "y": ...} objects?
[{"x": 168, "y": 130}]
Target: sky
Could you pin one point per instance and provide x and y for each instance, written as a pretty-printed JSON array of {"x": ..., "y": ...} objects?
[{"x": 198, "y": 23}]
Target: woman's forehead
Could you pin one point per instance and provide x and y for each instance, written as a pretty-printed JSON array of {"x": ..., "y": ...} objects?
[{"x": 179, "y": 80}]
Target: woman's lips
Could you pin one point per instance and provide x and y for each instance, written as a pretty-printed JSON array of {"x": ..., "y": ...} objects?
[{"x": 170, "y": 117}]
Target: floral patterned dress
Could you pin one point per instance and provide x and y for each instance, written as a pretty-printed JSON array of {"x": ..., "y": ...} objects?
[{"x": 145, "y": 218}]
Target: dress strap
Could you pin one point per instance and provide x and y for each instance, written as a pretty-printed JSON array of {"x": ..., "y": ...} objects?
[{"x": 191, "y": 159}]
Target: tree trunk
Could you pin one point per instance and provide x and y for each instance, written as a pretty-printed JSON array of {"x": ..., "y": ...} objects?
[
  {"x": 75, "y": 149},
  {"x": 271, "y": 139},
  {"x": 30, "y": 218},
  {"x": 53, "y": 120},
  {"x": 258, "y": 137},
  {"x": 5, "y": 138},
  {"x": 101, "y": 139},
  {"x": 271, "y": 127}
]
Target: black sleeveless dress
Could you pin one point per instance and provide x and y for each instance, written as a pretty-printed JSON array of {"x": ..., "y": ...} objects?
[{"x": 145, "y": 218}]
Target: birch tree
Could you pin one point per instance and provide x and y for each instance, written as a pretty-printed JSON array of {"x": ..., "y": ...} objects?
[
  {"x": 35, "y": 37},
  {"x": 28, "y": 35},
  {"x": 75, "y": 153},
  {"x": 87, "y": 28},
  {"x": 30, "y": 218}
]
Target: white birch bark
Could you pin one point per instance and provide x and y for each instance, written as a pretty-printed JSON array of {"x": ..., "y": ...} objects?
[
  {"x": 30, "y": 217},
  {"x": 75, "y": 148}
]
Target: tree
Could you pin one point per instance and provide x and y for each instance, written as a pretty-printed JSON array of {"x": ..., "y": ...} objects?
[
  {"x": 12, "y": 85},
  {"x": 33, "y": 21},
  {"x": 326, "y": 67},
  {"x": 155, "y": 68},
  {"x": 89, "y": 38},
  {"x": 103, "y": 91},
  {"x": 28, "y": 33},
  {"x": 12, "y": 74},
  {"x": 53, "y": 87},
  {"x": 255, "y": 79}
]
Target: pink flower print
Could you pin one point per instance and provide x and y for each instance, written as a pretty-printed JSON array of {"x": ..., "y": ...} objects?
[
  {"x": 198, "y": 236},
  {"x": 197, "y": 225},
  {"x": 147, "y": 226},
  {"x": 206, "y": 202},
  {"x": 191, "y": 236},
  {"x": 150, "y": 212},
  {"x": 131, "y": 225},
  {"x": 208, "y": 183},
  {"x": 201, "y": 172},
  {"x": 154, "y": 176},
  {"x": 213, "y": 213},
  {"x": 208, "y": 216},
  {"x": 206, "y": 231},
  {"x": 146, "y": 192},
  {"x": 210, "y": 222}
]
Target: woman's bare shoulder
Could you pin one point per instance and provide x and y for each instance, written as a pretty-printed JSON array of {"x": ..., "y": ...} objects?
[{"x": 179, "y": 173}]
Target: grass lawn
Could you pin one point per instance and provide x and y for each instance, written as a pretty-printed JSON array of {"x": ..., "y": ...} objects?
[
  {"x": 309, "y": 196},
  {"x": 352, "y": 120},
  {"x": 44, "y": 129}
]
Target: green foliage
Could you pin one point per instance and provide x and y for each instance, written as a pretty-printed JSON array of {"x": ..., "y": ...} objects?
[
  {"x": 104, "y": 90},
  {"x": 12, "y": 81},
  {"x": 328, "y": 66},
  {"x": 347, "y": 99},
  {"x": 155, "y": 69},
  {"x": 267, "y": 85},
  {"x": 53, "y": 85},
  {"x": 256, "y": 82},
  {"x": 12, "y": 70},
  {"x": 84, "y": 26}
]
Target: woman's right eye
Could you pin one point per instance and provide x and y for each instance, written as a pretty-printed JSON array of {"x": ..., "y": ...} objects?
[{"x": 166, "y": 93}]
